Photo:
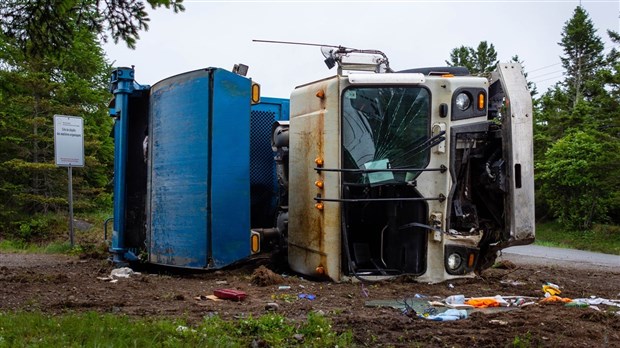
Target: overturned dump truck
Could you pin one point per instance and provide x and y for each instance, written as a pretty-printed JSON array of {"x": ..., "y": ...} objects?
[{"x": 369, "y": 173}]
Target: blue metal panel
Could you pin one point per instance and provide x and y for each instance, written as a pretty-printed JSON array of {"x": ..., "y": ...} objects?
[
  {"x": 263, "y": 179},
  {"x": 230, "y": 188},
  {"x": 178, "y": 185}
]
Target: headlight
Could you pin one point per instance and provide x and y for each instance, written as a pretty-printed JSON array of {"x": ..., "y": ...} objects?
[
  {"x": 454, "y": 261},
  {"x": 463, "y": 101}
]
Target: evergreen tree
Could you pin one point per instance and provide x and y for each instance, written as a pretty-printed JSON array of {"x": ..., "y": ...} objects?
[
  {"x": 583, "y": 55},
  {"x": 32, "y": 90},
  {"x": 462, "y": 56},
  {"x": 479, "y": 61},
  {"x": 41, "y": 26},
  {"x": 576, "y": 149}
]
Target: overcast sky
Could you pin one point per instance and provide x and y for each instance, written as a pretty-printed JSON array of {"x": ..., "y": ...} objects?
[{"x": 411, "y": 33}]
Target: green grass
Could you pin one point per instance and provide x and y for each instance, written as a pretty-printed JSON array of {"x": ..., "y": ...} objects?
[
  {"x": 602, "y": 238},
  {"x": 56, "y": 241},
  {"x": 106, "y": 330},
  {"x": 17, "y": 246}
]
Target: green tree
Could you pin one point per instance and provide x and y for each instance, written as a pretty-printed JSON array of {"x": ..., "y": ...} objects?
[
  {"x": 478, "y": 61},
  {"x": 40, "y": 26},
  {"x": 583, "y": 56},
  {"x": 578, "y": 180},
  {"x": 32, "y": 90},
  {"x": 576, "y": 131}
]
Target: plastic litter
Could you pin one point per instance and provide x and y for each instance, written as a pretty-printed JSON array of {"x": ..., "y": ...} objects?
[
  {"x": 512, "y": 282},
  {"x": 123, "y": 272},
  {"x": 284, "y": 287},
  {"x": 554, "y": 298},
  {"x": 448, "y": 315},
  {"x": 455, "y": 299},
  {"x": 551, "y": 289},
  {"x": 484, "y": 302},
  {"x": 364, "y": 291},
  {"x": 307, "y": 296},
  {"x": 598, "y": 301}
]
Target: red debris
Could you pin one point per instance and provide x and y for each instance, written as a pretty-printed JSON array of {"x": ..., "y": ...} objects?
[{"x": 230, "y": 294}]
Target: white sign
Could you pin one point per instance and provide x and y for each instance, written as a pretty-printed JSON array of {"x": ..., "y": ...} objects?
[{"x": 69, "y": 141}]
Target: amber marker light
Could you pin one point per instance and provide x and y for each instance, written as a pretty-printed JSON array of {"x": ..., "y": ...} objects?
[
  {"x": 255, "y": 242},
  {"x": 320, "y": 94},
  {"x": 255, "y": 95},
  {"x": 319, "y": 206},
  {"x": 481, "y": 101},
  {"x": 319, "y": 184},
  {"x": 470, "y": 260},
  {"x": 320, "y": 270},
  {"x": 318, "y": 161}
]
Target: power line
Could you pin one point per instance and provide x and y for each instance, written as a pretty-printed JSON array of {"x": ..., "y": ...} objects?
[
  {"x": 544, "y": 67},
  {"x": 545, "y": 74},
  {"x": 550, "y": 78}
]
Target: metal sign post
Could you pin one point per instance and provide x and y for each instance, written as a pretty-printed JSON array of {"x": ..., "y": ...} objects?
[
  {"x": 70, "y": 170},
  {"x": 69, "y": 149}
]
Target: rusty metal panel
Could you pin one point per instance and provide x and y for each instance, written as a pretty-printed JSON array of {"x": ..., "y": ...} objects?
[{"x": 314, "y": 235}]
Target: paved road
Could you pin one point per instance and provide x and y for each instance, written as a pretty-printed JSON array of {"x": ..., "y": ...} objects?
[{"x": 549, "y": 256}]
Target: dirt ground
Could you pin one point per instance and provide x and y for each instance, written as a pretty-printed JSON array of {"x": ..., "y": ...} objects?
[{"x": 61, "y": 284}]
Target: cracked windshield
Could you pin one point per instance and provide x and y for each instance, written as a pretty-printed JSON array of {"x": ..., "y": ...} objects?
[{"x": 385, "y": 128}]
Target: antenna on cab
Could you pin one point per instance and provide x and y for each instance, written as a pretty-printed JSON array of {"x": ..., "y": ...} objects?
[{"x": 347, "y": 58}]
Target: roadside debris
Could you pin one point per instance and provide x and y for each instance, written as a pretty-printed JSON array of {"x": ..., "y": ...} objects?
[
  {"x": 272, "y": 306},
  {"x": 551, "y": 289},
  {"x": 456, "y": 307},
  {"x": 554, "y": 298},
  {"x": 512, "y": 282},
  {"x": 364, "y": 291},
  {"x": 115, "y": 274},
  {"x": 593, "y": 300},
  {"x": 123, "y": 272},
  {"x": 230, "y": 294},
  {"x": 447, "y": 315},
  {"x": 307, "y": 296}
]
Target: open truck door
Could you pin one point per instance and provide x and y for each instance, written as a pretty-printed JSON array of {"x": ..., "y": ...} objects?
[{"x": 510, "y": 97}]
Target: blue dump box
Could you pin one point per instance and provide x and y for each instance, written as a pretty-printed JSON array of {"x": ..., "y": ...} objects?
[
  {"x": 208, "y": 175},
  {"x": 198, "y": 189}
]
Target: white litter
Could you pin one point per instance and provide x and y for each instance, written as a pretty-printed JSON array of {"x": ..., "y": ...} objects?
[{"x": 123, "y": 272}]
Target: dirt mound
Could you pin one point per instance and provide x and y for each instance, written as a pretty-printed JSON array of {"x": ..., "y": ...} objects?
[{"x": 263, "y": 276}]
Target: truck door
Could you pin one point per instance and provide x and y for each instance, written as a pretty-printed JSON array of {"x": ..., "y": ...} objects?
[{"x": 509, "y": 93}]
